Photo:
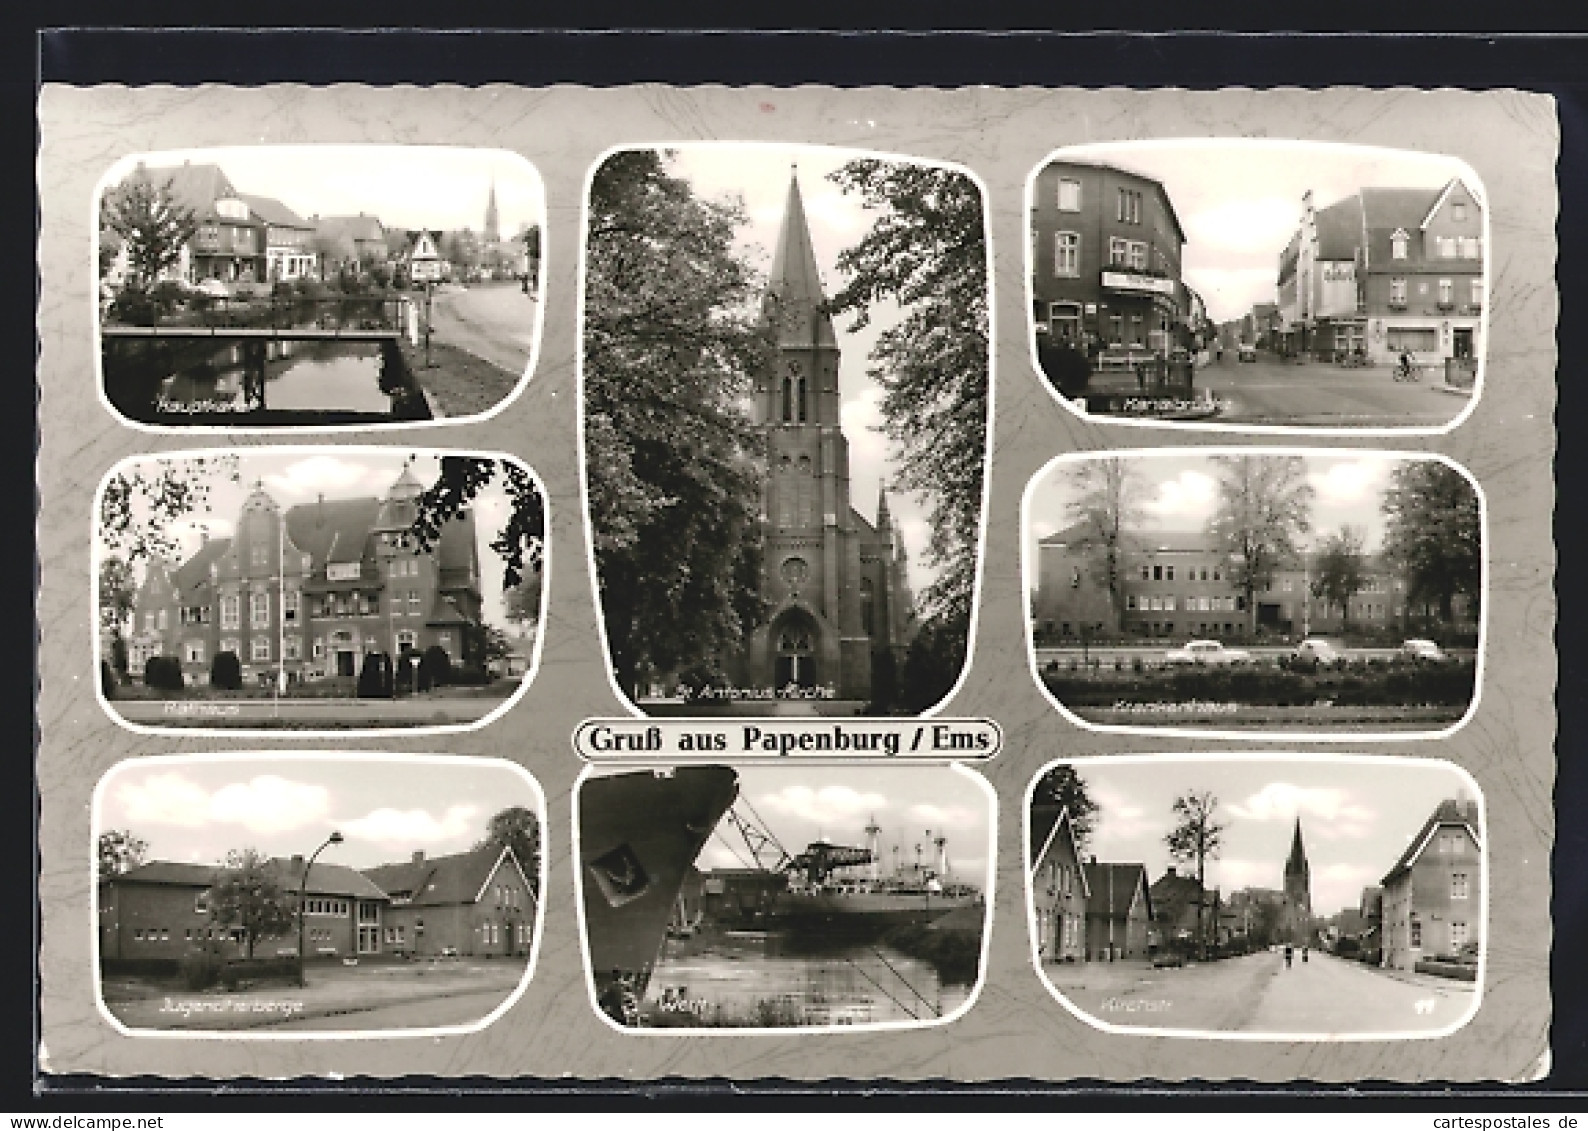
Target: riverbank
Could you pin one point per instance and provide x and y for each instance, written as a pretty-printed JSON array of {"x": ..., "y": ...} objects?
[{"x": 457, "y": 383}]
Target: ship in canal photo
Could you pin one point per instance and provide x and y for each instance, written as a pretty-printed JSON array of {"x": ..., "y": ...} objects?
[{"x": 698, "y": 915}]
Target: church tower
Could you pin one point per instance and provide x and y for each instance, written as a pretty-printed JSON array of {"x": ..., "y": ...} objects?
[
  {"x": 1297, "y": 926},
  {"x": 493, "y": 227},
  {"x": 814, "y": 637}
]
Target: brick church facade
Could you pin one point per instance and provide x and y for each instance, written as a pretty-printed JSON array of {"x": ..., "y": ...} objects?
[
  {"x": 835, "y": 585},
  {"x": 310, "y": 591}
]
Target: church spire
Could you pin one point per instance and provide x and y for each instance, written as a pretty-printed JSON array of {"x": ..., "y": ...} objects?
[
  {"x": 795, "y": 283},
  {"x": 493, "y": 231},
  {"x": 1297, "y": 862}
]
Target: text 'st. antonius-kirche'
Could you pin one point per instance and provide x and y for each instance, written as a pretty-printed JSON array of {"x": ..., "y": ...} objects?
[{"x": 834, "y": 585}]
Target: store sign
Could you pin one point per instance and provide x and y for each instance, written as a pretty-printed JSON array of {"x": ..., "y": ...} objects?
[
  {"x": 1142, "y": 284},
  {"x": 1339, "y": 272}
]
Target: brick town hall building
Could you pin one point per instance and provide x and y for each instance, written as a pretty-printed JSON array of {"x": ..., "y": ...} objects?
[
  {"x": 311, "y": 591},
  {"x": 834, "y": 583}
]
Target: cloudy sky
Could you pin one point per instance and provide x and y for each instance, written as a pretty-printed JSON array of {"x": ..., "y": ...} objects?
[
  {"x": 1181, "y": 494},
  {"x": 196, "y": 810},
  {"x": 294, "y": 478},
  {"x": 1356, "y": 817},
  {"x": 806, "y": 802},
  {"x": 1239, "y": 201},
  {"x": 759, "y": 176},
  {"x": 419, "y": 186}
]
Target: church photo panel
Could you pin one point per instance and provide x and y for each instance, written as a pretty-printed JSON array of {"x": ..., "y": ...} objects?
[
  {"x": 316, "y": 286},
  {"x": 785, "y": 409},
  {"x": 1317, "y": 594},
  {"x": 1259, "y": 897},
  {"x": 316, "y": 590}
]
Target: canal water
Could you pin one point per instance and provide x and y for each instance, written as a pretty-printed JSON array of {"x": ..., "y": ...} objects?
[
  {"x": 260, "y": 381},
  {"x": 740, "y": 984}
]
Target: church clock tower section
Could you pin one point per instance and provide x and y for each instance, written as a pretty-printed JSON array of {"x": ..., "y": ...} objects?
[{"x": 814, "y": 637}]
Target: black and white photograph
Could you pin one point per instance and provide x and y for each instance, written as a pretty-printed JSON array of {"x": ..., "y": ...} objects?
[
  {"x": 1309, "y": 592},
  {"x": 1259, "y": 283},
  {"x": 724, "y": 897},
  {"x": 295, "y": 895},
  {"x": 786, "y": 408},
  {"x": 1269, "y": 897},
  {"x": 317, "y": 286},
  {"x": 318, "y": 589}
]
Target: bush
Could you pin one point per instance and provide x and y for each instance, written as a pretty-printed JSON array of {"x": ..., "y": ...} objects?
[
  {"x": 201, "y": 969},
  {"x": 403, "y": 679},
  {"x": 226, "y": 672},
  {"x": 118, "y": 655},
  {"x": 163, "y": 673},
  {"x": 375, "y": 680},
  {"x": 470, "y": 677},
  {"x": 107, "y": 680},
  {"x": 435, "y": 668}
]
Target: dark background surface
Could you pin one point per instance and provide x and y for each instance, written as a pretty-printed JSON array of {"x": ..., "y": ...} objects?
[{"x": 1553, "y": 65}]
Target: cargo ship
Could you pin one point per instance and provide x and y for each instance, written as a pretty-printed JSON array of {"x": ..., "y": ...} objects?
[
  {"x": 639, "y": 835},
  {"x": 840, "y": 891}
]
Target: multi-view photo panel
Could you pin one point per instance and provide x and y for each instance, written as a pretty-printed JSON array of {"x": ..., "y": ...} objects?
[
  {"x": 757, "y": 896},
  {"x": 295, "y": 895},
  {"x": 1315, "y": 593},
  {"x": 318, "y": 589},
  {"x": 786, "y": 405},
  {"x": 316, "y": 286},
  {"x": 1260, "y": 284},
  {"x": 1259, "y": 897}
]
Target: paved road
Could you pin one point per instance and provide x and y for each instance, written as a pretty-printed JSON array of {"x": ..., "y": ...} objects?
[
  {"x": 1332, "y": 995},
  {"x": 1257, "y": 994},
  {"x": 457, "y": 1009},
  {"x": 493, "y": 321},
  {"x": 309, "y": 712},
  {"x": 1273, "y": 392}
]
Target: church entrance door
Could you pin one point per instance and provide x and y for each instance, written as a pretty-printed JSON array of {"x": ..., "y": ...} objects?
[{"x": 796, "y": 659}]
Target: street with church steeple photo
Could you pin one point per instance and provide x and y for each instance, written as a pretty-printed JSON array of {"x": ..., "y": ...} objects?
[
  {"x": 317, "y": 589},
  {"x": 785, "y": 382},
  {"x": 1323, "y": 897}
]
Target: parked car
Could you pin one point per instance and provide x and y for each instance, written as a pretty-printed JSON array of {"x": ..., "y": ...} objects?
[
  {"x": 1209, "y": 652},
  {"x": 1246, "y": 352},
  {"x": 1169, "y": 958},
  {"x": 1424, "y": 652},
  {"x": 1317, "y": 652}
]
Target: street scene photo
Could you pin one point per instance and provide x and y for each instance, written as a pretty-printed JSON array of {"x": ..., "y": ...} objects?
[
  {"x": 1258, "y": 282},
  {"x": 767, "y": 897},
  {"x": 1282, "y": 896},
  {"x": 317, "y": 589},
  {"x": 315, "y": 893},
  {"x": 785, "y": 381},
  {"x": 1299, "y": 591},
  {"x": 317, "y": 285}
]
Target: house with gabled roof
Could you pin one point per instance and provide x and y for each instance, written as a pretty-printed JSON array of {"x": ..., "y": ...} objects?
[
  {"x": 350, "y": 241},
  {"x": 1059, "y": 895},
  {"x": 288, "y": 238},
  {"x": 1118, "y": 911},
  {"x": 422, "y": 258},
  {"x": 229, "y": 243},
  {"x": 1431, "y": 905},
  {"x": 305, "y": 594},
  {"x": 478, "y": 903}
]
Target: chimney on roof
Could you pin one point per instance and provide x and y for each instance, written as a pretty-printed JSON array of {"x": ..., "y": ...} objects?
[
  {"x": 419, "y": 856},
  {"x": 1092, "y": 859},
  {"x": 1170, "y": 872},
  {"x": 297, "y": 865}
]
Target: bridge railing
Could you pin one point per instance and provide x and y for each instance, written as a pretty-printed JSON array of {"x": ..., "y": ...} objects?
[{"x": 278, "y": 312}]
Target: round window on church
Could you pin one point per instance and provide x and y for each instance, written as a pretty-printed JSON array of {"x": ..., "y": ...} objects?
[{"x": 795, "y": 571}]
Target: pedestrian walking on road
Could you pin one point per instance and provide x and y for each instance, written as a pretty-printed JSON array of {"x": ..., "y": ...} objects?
[{"x": 1288, "y": 955}]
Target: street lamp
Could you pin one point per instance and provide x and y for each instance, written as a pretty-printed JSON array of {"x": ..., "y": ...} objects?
[{"x": 303, "y": 890}]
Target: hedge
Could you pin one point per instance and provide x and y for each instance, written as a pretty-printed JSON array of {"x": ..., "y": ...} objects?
[
  {"x": 226, "y": 672},
  {"x": 163, "y": 673},
  {"x": 1450, "y": 685}
]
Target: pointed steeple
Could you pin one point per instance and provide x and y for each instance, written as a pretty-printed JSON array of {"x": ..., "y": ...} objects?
[
  {"x": 493, "y": 232},
  {"x": 1296, "y": 863},
  {"x": 795, "y": 283}
]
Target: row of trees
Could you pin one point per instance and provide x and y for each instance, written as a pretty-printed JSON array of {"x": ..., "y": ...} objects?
[
  {"x": 673, "y": 336},
  {"x": 249, "y": 896},
  {"x": 1432, "y": 537}
]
